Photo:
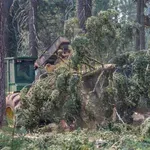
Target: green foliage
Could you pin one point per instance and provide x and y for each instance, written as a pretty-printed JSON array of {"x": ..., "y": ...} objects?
[
  {"x": 73, "y": 106},
  {"x": 61, "y": 82},
  {"x": 78, "y": 140},
  {"x": 100, "y": 30},
  {"x": 71, "y": 28},
  {"x": 103, "y": 29},
  {"x": 50, "y": 99},
  {"x": 80, "y": 46},
  {"x": 145, "y": 128},
  {"x": 6, "y": 142},
  {"x": 128, "y": 87},
  {"x": 130, "y": 84}
]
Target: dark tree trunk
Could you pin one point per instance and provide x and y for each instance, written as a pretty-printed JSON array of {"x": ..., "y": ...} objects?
[
  {"x": 10, "y": 37},
  {"x": 2, "y": 70},
  {"x": 80, "y": 13},
  {"x": 88, "y": 8},
  {"x": 32, "y": 28},
  {"x": 140, "y": 33},
  {"x": 137, "y": 46},
  {"x": 142, "y": 28},
  {"x": 84, "y": 10}
]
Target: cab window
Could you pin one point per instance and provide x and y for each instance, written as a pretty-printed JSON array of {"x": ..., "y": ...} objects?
[{"x": 24, "y": 71}]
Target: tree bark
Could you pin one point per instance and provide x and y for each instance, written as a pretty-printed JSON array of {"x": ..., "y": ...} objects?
[
  {"x": 80, "y": 13},
  {"x": 142, "y": 28},
  {"x": 32, "y": 28},
  {"x": 84, "y": 10},
  {"x": 140, "y": 33},
  {"x": 88, "y": 8},
  {"x": 137, "y": 46},
  {"x": 10, "y": 38},
  {"x": 2, "y": 70}
]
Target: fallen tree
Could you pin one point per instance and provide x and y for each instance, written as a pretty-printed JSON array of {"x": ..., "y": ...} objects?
[{"x": 98, "y": 95}]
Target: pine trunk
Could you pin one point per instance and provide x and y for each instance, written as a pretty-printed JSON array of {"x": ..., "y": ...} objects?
[
  {"x": 10, "y": 37},
  {"x": 137, "y": 46},
  {"x": 140, "y": 33},
  {"x": 80, "y": 13},
  {"x": 2, "y": 70},
  {"x": 88, "y": 8},
  {"x": 32, "y": 28},
  {"x": 142, "y": 28},
  {"x": 84, "y": 10}
]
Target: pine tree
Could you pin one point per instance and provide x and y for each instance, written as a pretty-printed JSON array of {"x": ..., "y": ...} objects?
[
  {"x": 84, "y": 10},
  {"x": 10, "y": 29},
  {"x": 2, "y": 55},
  {"x": 140, "y": 33},
  {"x": 32, "y": 28}
]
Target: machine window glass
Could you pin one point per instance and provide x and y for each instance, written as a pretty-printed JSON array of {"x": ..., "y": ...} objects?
[
  {"x": 11, "y": 68},
  {"x": 6, "y": 73},
  {"x": 24, "y": 72}
]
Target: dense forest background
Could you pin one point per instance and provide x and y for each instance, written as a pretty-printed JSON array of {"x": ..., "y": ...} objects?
[{"x": 32, "y": 25}]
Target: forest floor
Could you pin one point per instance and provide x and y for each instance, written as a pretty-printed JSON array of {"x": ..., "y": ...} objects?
[{"x": 116, "y": 137}]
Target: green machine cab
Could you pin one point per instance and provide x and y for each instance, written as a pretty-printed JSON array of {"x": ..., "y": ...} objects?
[{"x": 19, "y": 73}]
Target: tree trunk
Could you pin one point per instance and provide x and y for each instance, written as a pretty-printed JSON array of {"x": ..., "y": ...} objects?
[
  {"x": 2, "y": 70},
  {"x": 142, "y": 28},
  {"x": 80, "y": 13},
  {"x": 32, "y": 28},
  {"x": 84, "y": 10},
  {"x": 140, "y": 33},
  {"x": 10, "y": 38},
  {"x": 137, "y": 46},
  {"x": 88, "y": 8}
]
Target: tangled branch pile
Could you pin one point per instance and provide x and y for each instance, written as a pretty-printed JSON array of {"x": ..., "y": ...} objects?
[
  {"x": 131, "y": 81},
  {"x": 51, "y": 99},
  {"x": 126, "y": 87}
]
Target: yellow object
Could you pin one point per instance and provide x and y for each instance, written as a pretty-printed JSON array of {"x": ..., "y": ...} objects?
[
  {"x": 60, "y": 51},
  {"x": 9, "y": 113},
  {"x": 49, "y": 68}
]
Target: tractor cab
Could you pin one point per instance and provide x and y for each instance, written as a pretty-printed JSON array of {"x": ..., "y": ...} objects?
[{"x": 19, "y": 73}]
